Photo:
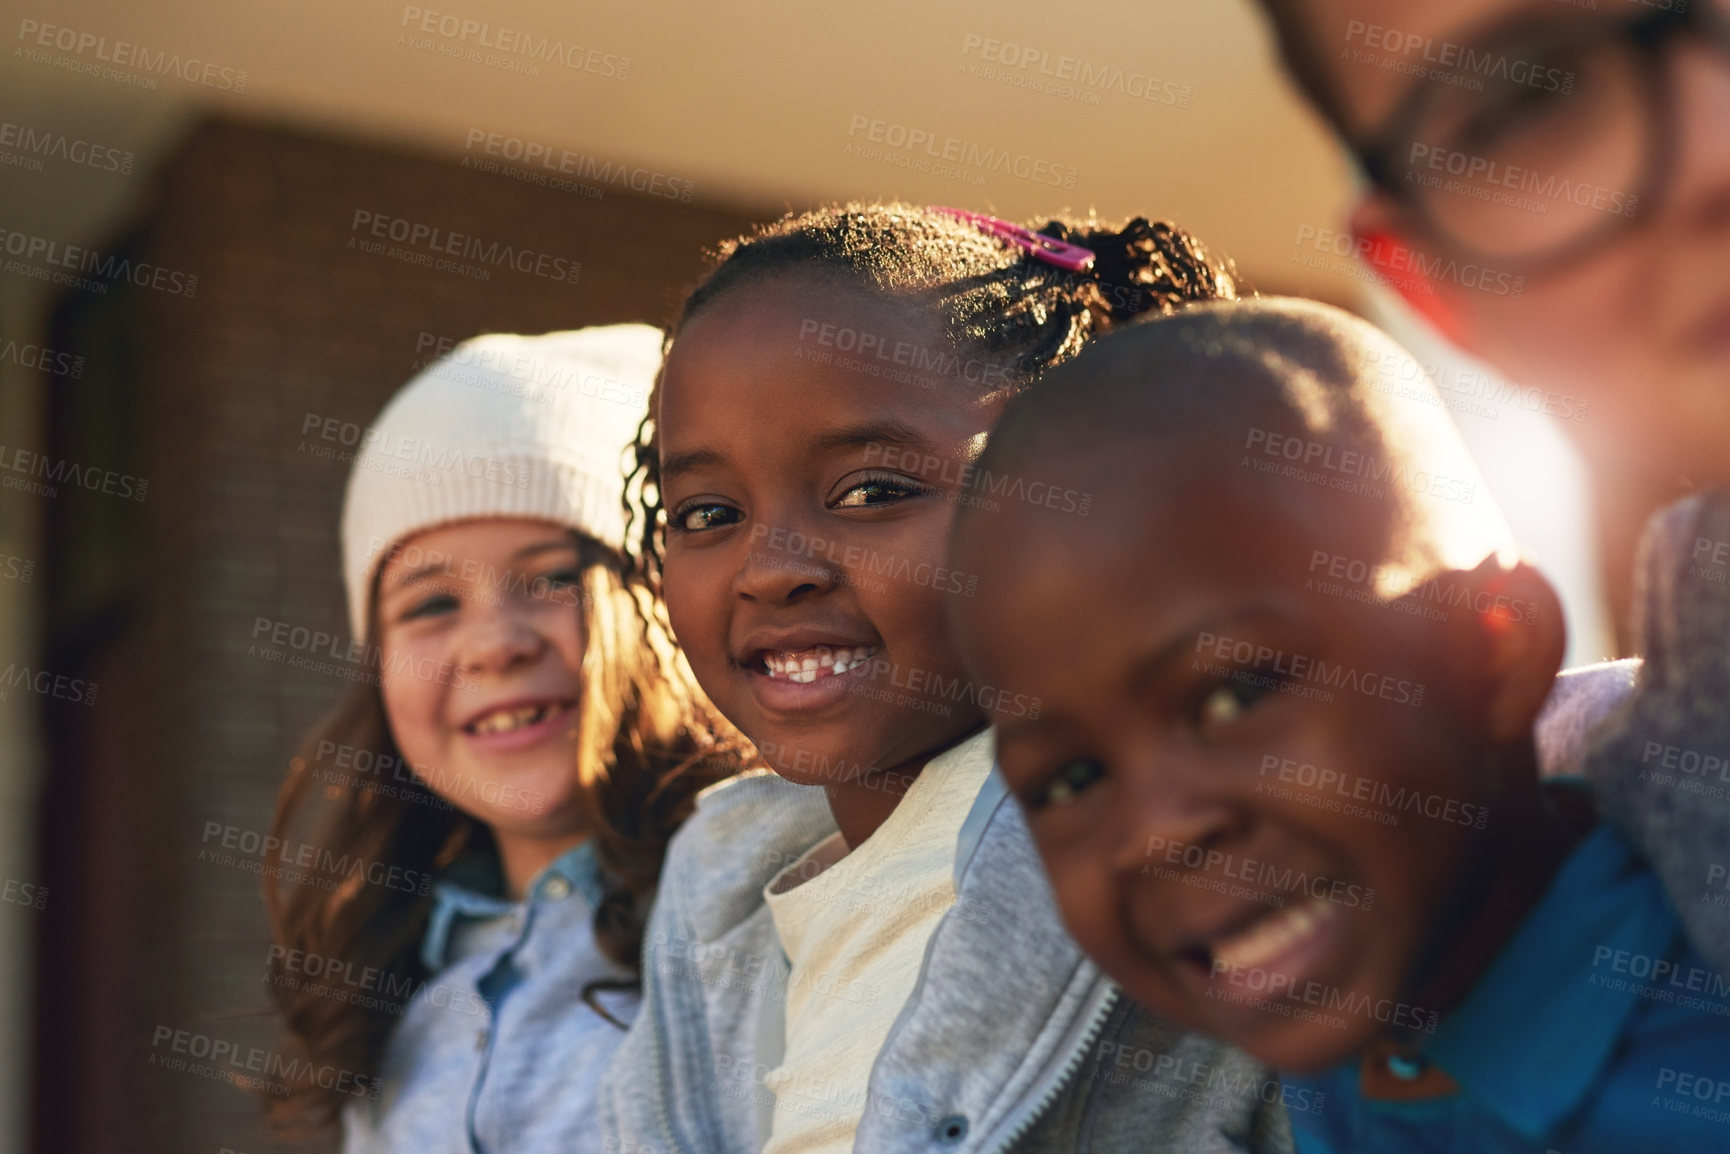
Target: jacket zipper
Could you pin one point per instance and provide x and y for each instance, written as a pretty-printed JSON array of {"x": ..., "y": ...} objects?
[{"x": 1089, "y": 1035}]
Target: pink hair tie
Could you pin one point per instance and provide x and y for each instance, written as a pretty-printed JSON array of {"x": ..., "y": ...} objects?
[{"x": 1048, "y": 249}]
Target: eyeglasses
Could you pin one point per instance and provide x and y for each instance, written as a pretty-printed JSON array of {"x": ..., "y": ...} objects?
[{"x": 1545, "y": 143}]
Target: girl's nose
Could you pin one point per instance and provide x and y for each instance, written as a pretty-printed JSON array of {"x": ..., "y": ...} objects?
[
  {"x": 780, "y": 568},
  {"x": 496, "y": 638}
]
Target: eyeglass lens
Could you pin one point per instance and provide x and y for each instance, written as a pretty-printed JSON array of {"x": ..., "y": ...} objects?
[{"x": 1527, "y": 149}]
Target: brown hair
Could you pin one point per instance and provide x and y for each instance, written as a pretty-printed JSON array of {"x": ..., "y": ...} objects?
[{"x": 648, "y": 742}]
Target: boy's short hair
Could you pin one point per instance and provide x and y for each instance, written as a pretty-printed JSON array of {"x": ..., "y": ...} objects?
[{"x": 1240, "y": 373}]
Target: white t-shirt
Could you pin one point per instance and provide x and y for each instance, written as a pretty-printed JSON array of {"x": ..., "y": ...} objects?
[{"x": 855, "y": 930}]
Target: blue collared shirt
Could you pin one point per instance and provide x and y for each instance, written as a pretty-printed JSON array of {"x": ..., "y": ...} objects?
[
  {"x": 1597, "y": 1030},
  {"x": 498, "y": 1053}
]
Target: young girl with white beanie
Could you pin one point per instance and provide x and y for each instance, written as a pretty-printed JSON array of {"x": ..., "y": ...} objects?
[{"x": 472, "y": 839}]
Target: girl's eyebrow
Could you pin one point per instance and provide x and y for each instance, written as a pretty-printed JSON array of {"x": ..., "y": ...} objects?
[
  {"x": 553, "y": 545},
  {"x": 424, "y": 573},
  {"x": 890, "y": 433},
  {"x": 427, "y": 572},
  {"x": 882, "y": 434},
  {"x": 689, "y": 462}
]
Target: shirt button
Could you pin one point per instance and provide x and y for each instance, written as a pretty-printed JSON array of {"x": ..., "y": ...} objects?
[
  {"x": 1406, "y": 1067},
  {"x": 952, "y": 1129},
  {"x": 481, "y": 1039},
  {"x": 556, "y": 889}
]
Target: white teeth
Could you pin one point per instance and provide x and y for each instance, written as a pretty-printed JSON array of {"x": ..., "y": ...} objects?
[
  {"x": 506, "y": 720},
  {"x": 808, "y": 665},
  {"x": 1273, "y": 935}
]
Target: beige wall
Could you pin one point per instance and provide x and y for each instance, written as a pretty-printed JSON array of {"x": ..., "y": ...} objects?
[{"x": 754, "y": 101}]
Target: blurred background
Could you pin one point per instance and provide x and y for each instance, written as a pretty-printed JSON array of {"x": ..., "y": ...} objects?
[{"x": 205, "y": 295}]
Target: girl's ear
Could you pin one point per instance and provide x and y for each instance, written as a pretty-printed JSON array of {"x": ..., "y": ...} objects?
[
  {"x": 1376, "y": 229},
  {"x": 1520, "y": 640}
]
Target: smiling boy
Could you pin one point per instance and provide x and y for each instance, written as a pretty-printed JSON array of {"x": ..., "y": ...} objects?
[{"x": 1241, "y": 778}]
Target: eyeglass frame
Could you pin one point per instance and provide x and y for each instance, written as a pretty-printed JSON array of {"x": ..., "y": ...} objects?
[{"x": 1651, "y": 34}]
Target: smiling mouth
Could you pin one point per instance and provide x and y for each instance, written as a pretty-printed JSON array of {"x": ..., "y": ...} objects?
[
  {"x": 511, "y": 720},
  {"x": 1268, "y": 939},
  {"x": 806, "y": 665}
]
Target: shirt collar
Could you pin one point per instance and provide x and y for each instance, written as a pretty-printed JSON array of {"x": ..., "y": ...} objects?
[
  {"x": 468, "y": 890},
  {"x": 580, "y": 868},
  {"x": 1543, "y": 988}
]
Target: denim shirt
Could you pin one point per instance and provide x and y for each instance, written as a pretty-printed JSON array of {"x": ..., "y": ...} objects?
[
  {"x": 1596, "y": 1030},
  {"x": 498, "y": 1053}
]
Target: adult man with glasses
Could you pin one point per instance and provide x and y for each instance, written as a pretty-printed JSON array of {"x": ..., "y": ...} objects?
[{"x": 1581, "y": 150}]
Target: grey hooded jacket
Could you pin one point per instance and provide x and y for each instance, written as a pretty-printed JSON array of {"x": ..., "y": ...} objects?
[{"x": 1012, "y": 1040}]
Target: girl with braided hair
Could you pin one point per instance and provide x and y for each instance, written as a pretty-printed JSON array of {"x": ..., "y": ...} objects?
[
  {"x": 858, "y": 950},
  {"x": 993, "y": 298}
]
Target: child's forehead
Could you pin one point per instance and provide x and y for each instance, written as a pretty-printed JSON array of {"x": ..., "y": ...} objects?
[
  {"x": 457, "y": 548},
  {"x": 747, "y": 403},
  {"x": 1199, "y": 505},
  {"x": 794, "y": 350}
]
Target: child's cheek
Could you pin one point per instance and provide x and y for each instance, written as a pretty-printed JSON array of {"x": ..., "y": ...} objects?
[
  {"x": 1084, "y": 899},
  {"x": 691, "y": 628},
  {"x": 410, "y": 703},
  {"x": 562, "y": 623}
]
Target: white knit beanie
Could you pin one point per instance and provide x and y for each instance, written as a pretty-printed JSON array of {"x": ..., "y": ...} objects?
[{"x": 502, "y": 426}]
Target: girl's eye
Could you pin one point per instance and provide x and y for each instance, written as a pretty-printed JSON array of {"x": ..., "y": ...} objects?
[
  {"x": 697, "y": 517},
  {"x": 563, "y": 578},
  {"x": 876, "y": 492},
  {"x": 1230, "y": 699},
  {"x": 1062, "y": 787},
  {"x": 430, "y": 607}
]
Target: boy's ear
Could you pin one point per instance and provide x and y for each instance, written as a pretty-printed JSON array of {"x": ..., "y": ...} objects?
[
  {"x": 1377, "y": 228},
  {"x": 1520, "y": 636}
]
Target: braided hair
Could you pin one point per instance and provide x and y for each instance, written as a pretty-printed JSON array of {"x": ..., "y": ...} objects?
[{"x": 993, "y": 299}]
